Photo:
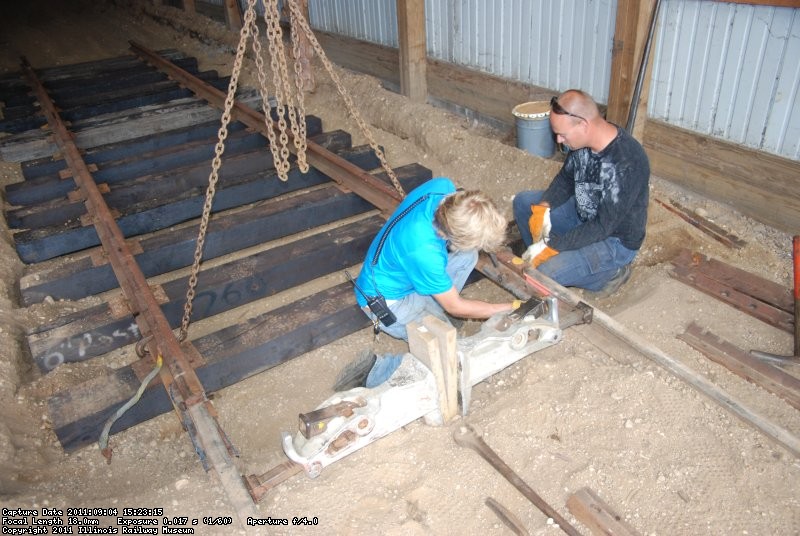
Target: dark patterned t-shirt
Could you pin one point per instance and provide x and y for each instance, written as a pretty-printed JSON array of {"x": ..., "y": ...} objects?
[{"x": 611, "y": 190}]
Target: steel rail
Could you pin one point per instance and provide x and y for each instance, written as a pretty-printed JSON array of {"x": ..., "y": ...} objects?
[
  {"x": 672, "y": 365},
  {"x": 347, "y": 175},
  {"x": 180, "y": 380}
]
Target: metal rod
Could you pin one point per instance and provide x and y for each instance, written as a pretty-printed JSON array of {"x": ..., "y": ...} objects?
[
  {"x": 794, "y": 359},
  {"x": 466, "y": 436},
  {"x": 642, "y": 69},
  {"x": 507, "y": 517},
  {"x": 672, "y": 365}
]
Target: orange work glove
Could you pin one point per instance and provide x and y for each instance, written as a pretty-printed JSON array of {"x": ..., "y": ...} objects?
[
  {"x": 543, "y": 256},
  {"x": 538, "y": 252},
  {"x": 539, "y": 222}
]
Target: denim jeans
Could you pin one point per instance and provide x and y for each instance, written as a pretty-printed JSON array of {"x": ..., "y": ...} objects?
[
  {"x": 589, "y": 267},
  {"x": 416, "y": 306}
]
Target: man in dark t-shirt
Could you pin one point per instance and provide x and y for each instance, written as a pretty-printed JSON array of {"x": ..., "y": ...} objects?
[{"x": 585, "y": 229}]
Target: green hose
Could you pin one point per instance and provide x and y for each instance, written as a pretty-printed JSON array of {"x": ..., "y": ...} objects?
[{"x": 104, "y": 448}]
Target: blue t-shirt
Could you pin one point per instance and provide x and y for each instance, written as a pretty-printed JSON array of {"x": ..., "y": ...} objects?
[{"x": 413, "y": 257}]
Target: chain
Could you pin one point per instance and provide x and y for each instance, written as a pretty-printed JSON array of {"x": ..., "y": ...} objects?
[
  {"x": 297, "y": 17},
  {"x": 249, "y": 19},
  {"x": 299, "y": 123},
  {"x": 262, "y": 79},
  {"x": 279, "y": 144},
  {"x": 279, "y": 75}
]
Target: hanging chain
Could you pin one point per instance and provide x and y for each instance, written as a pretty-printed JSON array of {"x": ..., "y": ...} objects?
[
  {"x": 297, "y": 17},
  {"x": 264, "y": 90},
  {"x": 249, "y": 18},
  {"x": 300, "y": 111},
  {"x": 279, "y": 75},
  {"x": 283, "y": 95}
]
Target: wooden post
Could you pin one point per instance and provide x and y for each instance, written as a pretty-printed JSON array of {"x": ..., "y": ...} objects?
[
  {"x": 446, "y": 337},
  {"x": 233, "y": 15},
  {"x": 189, "y": 7},
  {"x": 413, "y": 49},
  {"x": 633, "y": 17},
  {"x": 433, "y": 342}
]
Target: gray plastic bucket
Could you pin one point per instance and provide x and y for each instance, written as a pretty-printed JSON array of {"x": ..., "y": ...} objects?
[{"x": 533, "y": 128}]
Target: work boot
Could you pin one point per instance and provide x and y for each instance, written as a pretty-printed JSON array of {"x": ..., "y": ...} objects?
[{"x": 613, "y": 285}]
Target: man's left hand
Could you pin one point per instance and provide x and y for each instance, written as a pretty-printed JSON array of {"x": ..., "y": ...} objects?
[{"x": 538, "y": 252}]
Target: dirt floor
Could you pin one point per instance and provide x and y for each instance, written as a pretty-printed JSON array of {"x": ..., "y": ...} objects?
[{"x": 588, "y": 412}]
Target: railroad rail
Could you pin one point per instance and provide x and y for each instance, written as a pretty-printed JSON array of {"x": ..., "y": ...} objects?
[
  {"x": 115, "y": 192},
  {"x": 54, "y": 219}
]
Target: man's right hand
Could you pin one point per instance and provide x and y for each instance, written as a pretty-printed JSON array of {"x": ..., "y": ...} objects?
[
  {"x": 537, "y": 253},
  {"x": 539, "y": 222}
]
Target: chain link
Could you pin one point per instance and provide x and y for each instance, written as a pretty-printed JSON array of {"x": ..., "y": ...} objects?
[{"x": 300, "y": 133}]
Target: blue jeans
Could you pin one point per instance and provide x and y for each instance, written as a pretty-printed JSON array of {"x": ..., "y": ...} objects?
[
  {"x": 589, "y": 267},
  {"x": 415, "y": 307}
]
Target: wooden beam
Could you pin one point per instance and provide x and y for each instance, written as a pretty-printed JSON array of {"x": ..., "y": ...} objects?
[
  {"x": 623, "y": 60},
  {"x": 36, "y": 245},
  {"x": 188, "y": 6},
  {"x": 425, "y": 346},
  {"x": 98, "y": 330},
  {"x": 757, "y": 184},
  {"x": 231, "y": 355},
  {"x": 413, "y": 49},
  {"x": 433, "y": 342},
  {"x": 233, "y": 15}
]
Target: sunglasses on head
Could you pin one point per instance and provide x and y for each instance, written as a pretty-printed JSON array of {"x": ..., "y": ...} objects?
[{"x": 560, "y": 110}]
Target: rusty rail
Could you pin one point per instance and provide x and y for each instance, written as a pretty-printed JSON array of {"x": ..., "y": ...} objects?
[
  {"x": 344, "y": 173},
  {"x": 182, "y": 384},
  {"x": 348, "y": 177},
  {"x": 675, "y": 367}
]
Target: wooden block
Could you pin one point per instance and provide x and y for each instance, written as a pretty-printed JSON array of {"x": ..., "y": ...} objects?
[
  {"x": 425, "y": 345},
  {"x": 446, "y": 336},
  {"x": 593, "y": 512}
]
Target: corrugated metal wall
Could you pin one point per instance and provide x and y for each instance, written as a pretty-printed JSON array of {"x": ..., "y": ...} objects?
[
  {"x": 557, "y": 44},
  {"x": 369, "y": 20},
  {"x": 731, "y": 71}
]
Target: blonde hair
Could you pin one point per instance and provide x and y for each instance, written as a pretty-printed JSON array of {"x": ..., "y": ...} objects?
[{"x": 470, "y": 220}]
